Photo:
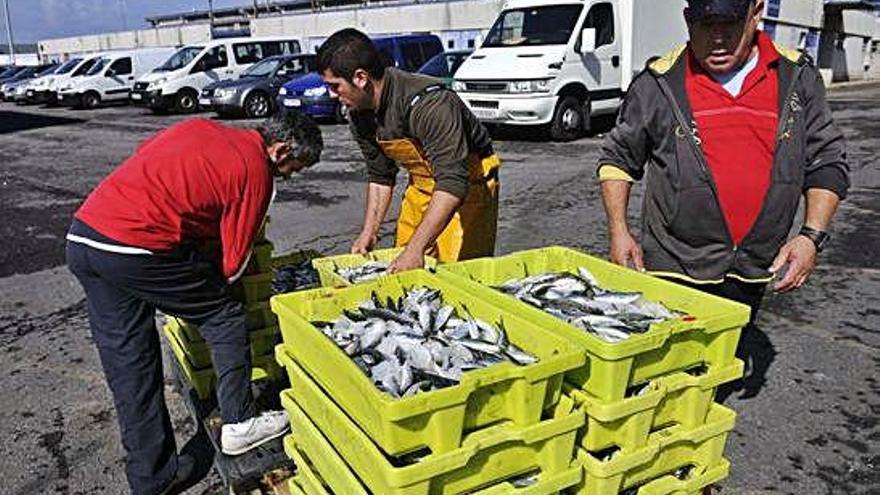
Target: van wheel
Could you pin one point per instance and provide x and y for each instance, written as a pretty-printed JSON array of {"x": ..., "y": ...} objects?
[
  {"x": 186, "y": 101},
  {"x": 568, "y": 120},
  {"x": 257, "y": 106},
  {"x": 91, "y": 100}
]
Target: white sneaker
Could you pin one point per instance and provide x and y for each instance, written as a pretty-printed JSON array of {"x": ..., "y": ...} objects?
[{"x": 238, "y": 438}]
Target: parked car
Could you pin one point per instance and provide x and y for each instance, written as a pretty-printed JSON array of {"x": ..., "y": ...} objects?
[
  {"x": 15, "y": 91},
  {"x": 444, "y": 65},
  {"x": 38, "y": 90},
  {"x": 23, "y": 75},
  {"x": 253, "y": 93},
  {"x": 176, "y": 84},
  {"x": 309, "y": 95},
  {"x": 80, "y": 70},
  {"x": 112, "y": 77}
]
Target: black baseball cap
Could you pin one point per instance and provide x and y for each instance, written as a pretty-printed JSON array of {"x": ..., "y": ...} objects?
[{"x": 730, "y": 9}]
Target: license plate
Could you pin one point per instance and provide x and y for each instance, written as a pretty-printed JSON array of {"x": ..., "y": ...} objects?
[
  {"x": 485, "y": 113},
  {"x": 205, "y": 102},
  {"x": 292, "y": 102},
  {"x": 136, "y": 96}
]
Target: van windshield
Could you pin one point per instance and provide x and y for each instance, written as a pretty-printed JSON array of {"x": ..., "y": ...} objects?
[
  {"x": 100, "y": 64},
  {"x": 180, "y": 59},
  {"x": 68, "y": 66},
  {"x": 84, "y": 67},
  {"x": 551, "y": 25}
]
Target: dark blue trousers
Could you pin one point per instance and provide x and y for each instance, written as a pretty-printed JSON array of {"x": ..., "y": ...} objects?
[{"x": 124, "y": 291}]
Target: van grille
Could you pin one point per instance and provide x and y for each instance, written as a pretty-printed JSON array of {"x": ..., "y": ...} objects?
[{"x": 486, "y": 87}]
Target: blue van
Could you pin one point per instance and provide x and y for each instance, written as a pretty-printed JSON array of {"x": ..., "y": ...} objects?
[{"x": 309, "y": 94}]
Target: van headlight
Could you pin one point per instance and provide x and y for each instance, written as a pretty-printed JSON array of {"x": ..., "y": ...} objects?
[
  {"x": 157, "y": 82},
  {"x": 530, "y": 86},
  {"x": 459, "y": 85},
  {"x": 313, "y": 92}
]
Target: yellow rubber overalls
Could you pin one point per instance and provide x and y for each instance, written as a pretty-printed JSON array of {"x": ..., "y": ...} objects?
[{"x": 471, "y": 232}]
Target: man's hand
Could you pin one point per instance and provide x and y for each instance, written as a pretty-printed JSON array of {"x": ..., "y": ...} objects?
[
  {"x": 625, "y": 251},
  {"x": 365, "y": 243},
  {"x": 800, "y": 255},
  {"x": 409, "y": 259}
]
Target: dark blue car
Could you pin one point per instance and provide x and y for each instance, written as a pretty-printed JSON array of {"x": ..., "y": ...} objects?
[{"x": 309, "y": 95}]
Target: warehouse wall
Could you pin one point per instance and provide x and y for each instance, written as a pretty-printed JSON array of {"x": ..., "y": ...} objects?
[
  {"x": 168, "y": 36},
  {"x": 458, "y": 17}
]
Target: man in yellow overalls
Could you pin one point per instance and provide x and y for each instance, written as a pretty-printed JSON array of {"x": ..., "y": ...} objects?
[{"x": 450, "y": 209}]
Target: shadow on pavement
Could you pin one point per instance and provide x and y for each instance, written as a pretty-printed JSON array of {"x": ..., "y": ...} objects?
[
  {"x": 199, "y": 447},
  {"x": 758, "y": 353},
  {"x": 600, "y": 125},
  {"x": 19, "y": 121}
]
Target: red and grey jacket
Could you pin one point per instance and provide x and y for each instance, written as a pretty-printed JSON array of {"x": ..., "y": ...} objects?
[
  {"x": 684, "y": 230},
  {"x": 194, "y": 182}
]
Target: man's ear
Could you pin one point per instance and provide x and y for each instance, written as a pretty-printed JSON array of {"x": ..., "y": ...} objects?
[
  {"x": 277, "y": 150},
  {"x": 360, "y": 78}
]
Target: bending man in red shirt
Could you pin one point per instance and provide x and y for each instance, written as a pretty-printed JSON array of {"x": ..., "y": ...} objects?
[{"x": 132, "y": 245}]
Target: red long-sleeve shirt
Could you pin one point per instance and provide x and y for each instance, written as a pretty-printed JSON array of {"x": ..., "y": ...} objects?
[
  {"x": 195, "y": 181},
  {"x": 738, "y": 135}
]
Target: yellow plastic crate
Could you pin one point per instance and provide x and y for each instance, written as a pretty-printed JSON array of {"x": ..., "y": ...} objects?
[
  {"x": 198, "y": 353},
  {"x": 328, "y": 266},
  {"x": 680, "y": 398},
  {"x": 204, "y": 381},
  {"x": 436, "y": 419},
  {"x": 486, "y": 457},
  {"x": 707, "y": 335},
  {"x": 692, "y": 485},
  {"x": 313, "y": 482},
  {"x": 294, "y": 257},
  {"x": 257, "y": 317},
  {"x": 261, "y": 258},
  {"x": 667, "y": 451},
  {"x": 251, "y": 289}
]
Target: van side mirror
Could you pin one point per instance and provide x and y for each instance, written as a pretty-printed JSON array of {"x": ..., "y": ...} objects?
[
  {"x": 588, "y": 40},
  {"x": 110, "y": 72}
]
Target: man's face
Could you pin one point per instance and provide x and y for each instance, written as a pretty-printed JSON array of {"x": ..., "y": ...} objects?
[
  {"x": 355, "y": 94},
  {"x": 723, "y": 44}
]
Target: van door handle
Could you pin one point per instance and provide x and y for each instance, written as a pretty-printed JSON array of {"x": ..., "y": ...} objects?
[
  {"x": 131, "y": 78},
  {"x": 615, "y": 61}
]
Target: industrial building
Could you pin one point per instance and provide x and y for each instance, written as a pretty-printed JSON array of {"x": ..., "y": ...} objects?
[{"x": 842, "y": 36}]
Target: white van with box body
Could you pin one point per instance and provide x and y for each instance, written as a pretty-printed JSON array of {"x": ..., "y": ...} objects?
[
  {"x": 112, "y": 77},
  {"x": 176, "y": 84},
  {"x": 557, "y": 62}
]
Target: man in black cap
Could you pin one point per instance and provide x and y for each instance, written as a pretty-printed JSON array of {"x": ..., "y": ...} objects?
[{"x": 730, "y": 131}]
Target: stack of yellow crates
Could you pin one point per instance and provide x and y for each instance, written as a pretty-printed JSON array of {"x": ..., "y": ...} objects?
[
  {"x": 652, "y": 426},
  {"x": 505, "y": 429},
  {"x": 254, "y": 289}
]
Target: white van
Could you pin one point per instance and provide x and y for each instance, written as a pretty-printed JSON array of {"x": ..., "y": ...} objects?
[
  {"x": 64, "y": 80},
  {"x": 558, "y": 62},
  {"x": 176, "y": 84},
  {"x": 112, "y": 77}
]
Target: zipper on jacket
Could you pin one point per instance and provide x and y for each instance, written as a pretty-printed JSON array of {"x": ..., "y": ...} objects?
[{"x": 698, "y": 152}]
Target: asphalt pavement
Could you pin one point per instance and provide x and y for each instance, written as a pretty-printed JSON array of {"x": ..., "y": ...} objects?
[{"x": 808, "y": 417}]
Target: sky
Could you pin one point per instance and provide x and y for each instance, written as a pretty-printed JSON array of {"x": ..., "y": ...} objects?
[{"x": 34, "y": 20}]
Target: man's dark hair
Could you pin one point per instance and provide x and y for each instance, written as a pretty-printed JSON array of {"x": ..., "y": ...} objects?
[
  {"x": 299, "y": 131},
  {"x": 346, "y": 51}
]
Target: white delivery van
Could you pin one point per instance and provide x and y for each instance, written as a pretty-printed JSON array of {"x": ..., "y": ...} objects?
[
  {"x": 557, "y": 62},
  {"x": 63, "y": 81},
  {"x": 176, "y": 84},
  {"x": 112, "y": 77}
]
